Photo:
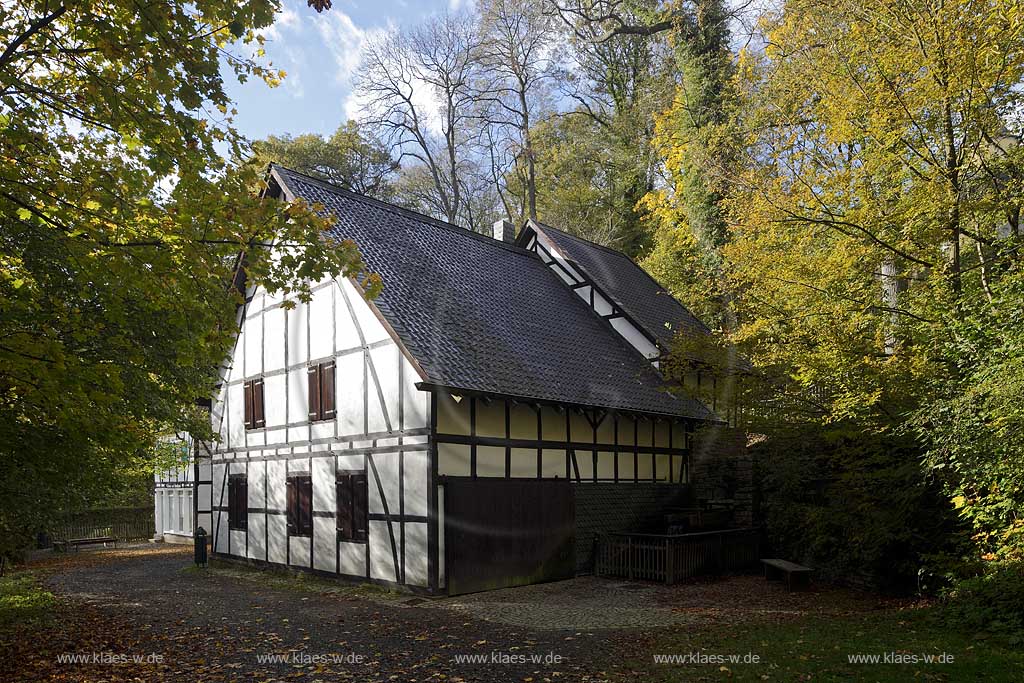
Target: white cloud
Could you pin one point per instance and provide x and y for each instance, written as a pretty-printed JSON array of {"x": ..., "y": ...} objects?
[
  {"x": 285, "y": 38},
  {"x": 427, "y": 106},
  {"x": 295, "y": 63},
  {"x": 288, "y": 17},
  {"x": 456, "y": 4},
  {"x": 346, "y": 41},
  {"x": 285, "y": 20},
  {"x": 353, "y": 105}
]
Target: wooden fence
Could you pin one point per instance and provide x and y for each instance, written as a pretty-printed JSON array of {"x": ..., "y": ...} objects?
[
  {"x": 673, "y": 557},
  {"x": 124, "y": 524}
]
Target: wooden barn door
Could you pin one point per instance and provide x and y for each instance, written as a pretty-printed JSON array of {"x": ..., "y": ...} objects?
[{"x": 507, "y": 532}]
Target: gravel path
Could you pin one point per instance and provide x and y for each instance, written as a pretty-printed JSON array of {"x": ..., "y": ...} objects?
[
  {"x": 221, "y": 625},
  {"x": 146, "y": 614}
]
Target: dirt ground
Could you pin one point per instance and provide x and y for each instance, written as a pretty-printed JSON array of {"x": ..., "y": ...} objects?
[{"x": 147, "y": 614}]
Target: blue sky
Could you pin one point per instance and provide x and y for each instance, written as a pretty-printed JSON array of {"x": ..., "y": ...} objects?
[{"x": 319, "y": 52}]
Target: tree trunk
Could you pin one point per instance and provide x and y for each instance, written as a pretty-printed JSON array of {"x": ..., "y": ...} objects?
[
  {"x": 953, "y": 190},
  {"x": 531, "y": 166}
]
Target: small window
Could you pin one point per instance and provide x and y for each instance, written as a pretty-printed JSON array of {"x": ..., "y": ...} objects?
[
  {"x": 238, "y": 502},
  {"x": 321, "y": 391},
  {"x": 300, "y": 505},
  {"x": 351, "y": 497},
  {"x": 253, "y": 390}
]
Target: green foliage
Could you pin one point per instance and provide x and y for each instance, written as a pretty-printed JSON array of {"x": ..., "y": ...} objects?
[
  {"x": 595, "y": 162},
  {"x": 873, "y": 246},
  {"x": 349, "y": 158},
  {"x": 23, "y": 601},
  {"x": 974, "y": 424},
  {"x": 679, "y": 263},
  {"x": 863, "y": 214},
  {"x": 120, "y": 234},
  {"x": 694, "y": 137},
  {"x": 992, "y": 602},
  {"x": 590, "y": 181},
  {"x": 856, "y": 508}
]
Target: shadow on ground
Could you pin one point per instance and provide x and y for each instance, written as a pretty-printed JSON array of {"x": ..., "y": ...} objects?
[{"x": 145, "y": 613}]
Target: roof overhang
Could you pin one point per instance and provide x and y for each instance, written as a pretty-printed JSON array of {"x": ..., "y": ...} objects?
[{"x": 529, "y": 400}]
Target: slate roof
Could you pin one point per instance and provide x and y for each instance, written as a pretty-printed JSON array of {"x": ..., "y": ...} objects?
[
  {"x": 631, "y": 287},
  {"x": 482, "y": 315}
]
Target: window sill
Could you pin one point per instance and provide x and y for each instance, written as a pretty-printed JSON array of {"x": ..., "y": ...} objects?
[{"x": 360, "y": 541}]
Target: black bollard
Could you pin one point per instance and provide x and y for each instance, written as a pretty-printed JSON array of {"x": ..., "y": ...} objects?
[{"x": 200, "y": 547}]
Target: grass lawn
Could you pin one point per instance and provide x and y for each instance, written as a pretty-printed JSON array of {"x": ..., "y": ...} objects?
[
  {"x": 817, "y": 648},
  {"x": 23, "y": 601}
]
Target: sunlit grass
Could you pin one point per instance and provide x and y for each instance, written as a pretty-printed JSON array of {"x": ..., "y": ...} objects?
[
  {"x": 819, "y": 649},
  {"x": 23, "y": 600}
]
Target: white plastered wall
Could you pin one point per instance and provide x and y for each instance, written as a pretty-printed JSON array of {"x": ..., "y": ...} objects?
[{"x": 381, "y": 428}]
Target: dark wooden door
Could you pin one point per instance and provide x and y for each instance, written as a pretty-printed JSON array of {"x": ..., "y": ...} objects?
[{"x": 507, "y": 532}]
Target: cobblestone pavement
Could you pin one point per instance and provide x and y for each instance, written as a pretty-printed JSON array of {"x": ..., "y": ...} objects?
[
  {"x": 590, "y": 603},
  {"x": 583, "y": 604}
]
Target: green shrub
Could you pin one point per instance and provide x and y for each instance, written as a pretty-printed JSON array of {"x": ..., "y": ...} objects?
[
  {"x": 857, "y": 507},
  {"x": 992, "y": 602}
]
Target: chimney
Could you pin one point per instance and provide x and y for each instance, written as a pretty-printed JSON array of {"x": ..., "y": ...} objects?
[{"x": 504, "y": 231}]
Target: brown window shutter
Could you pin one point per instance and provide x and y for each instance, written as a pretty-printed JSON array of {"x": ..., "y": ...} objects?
[
  {"x": 313, "y": 377},
  {"x": 247, "y": 393},
  {"x": 292, "y": 505},
  {"x": 258, "y": 418},
  {"x": 238, "y": 502},
  {"x": 243, "y": 503},
  {"x": 359, "y": 507},
  {"x": 305, "y": 506},
  {"x": 231, "y": 503},
  {"x": 327, "y": 410},
  {"x": 344, "y": 501}
]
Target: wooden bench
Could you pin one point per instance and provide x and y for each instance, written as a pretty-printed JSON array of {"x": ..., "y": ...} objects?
[
  {"x": 796, "y": 576},
  {"x": 78, "y": 542}
]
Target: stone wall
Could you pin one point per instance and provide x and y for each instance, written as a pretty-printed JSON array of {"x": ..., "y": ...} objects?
[
  {"x": 722, "y": 468},
  {"x": 608, "y": 507}
]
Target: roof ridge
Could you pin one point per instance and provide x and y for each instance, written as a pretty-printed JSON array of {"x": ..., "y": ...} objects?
[{"x": 402, "y": 211}]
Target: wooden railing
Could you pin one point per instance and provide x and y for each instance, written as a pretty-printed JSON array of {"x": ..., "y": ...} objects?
[
  {"x": 672, "y": 558},
  {"x": 124, "y": 524}
]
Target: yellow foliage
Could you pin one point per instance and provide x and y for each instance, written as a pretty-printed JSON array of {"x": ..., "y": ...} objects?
[{"x": 864, "y": 148}]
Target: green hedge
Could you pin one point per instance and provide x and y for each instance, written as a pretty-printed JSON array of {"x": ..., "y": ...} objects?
[{"x": 857, "y": 508}]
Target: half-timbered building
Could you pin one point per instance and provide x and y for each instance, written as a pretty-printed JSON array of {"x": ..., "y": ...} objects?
[
  {"x": 173, "y": 493},
  {"x": 471, "y": 427}
]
